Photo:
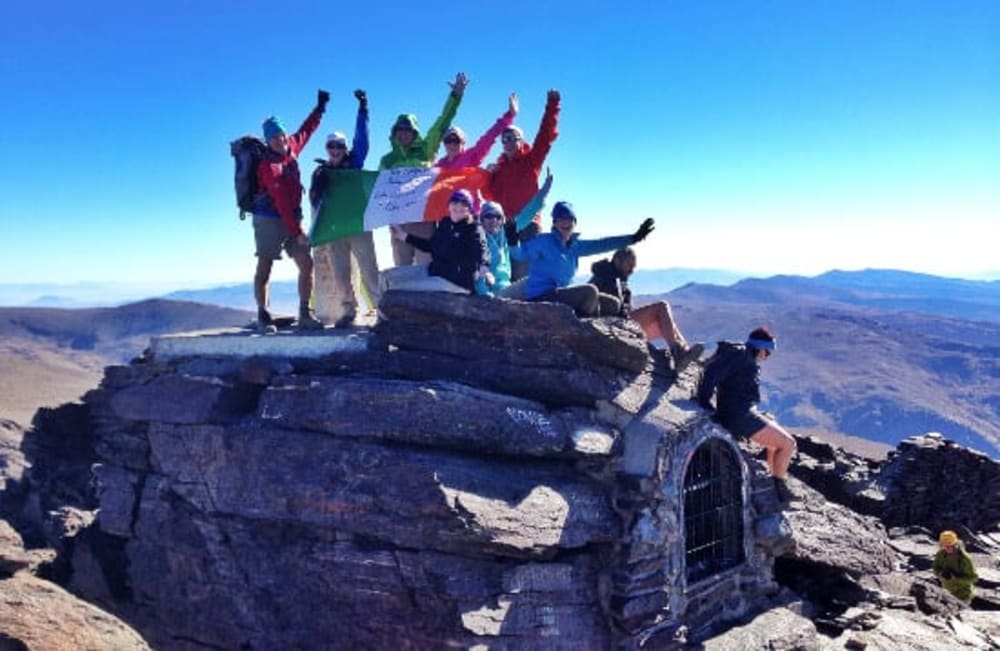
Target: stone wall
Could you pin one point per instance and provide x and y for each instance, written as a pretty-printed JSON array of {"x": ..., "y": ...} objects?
[{"x": 471, "y": 473}]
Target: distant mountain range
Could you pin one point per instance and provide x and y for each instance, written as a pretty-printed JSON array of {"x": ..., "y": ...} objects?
[{"x": 877, "y": 354}]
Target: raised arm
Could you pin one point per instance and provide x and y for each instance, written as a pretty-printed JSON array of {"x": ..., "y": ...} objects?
[
  {"x": 297, "y": 141},
  {"x": 477, "y": 153},
  {"x": 433, "y": 139},
  {"x": 547, "y": 131},
  {"x": 359, "y": 146},
  {"x": 534, "y": 205}
]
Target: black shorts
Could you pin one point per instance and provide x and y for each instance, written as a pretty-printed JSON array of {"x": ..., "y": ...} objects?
[{"x": 746, "y": 424}]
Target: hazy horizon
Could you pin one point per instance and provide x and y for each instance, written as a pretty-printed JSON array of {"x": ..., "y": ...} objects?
[{"x": 101, "y": 294}]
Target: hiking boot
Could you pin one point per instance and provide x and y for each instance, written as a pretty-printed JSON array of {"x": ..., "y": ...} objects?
[
  {"x": 308, "y": 321},
  {"x": 345, "y": 321},
  {"x": 683, "y": 356},
  {"x": 265, "y": 323},
  {"x": 783, "y": 492}
]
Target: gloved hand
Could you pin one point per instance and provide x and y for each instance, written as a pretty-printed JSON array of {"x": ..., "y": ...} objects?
[
  {"x": 947, "y": 574},
  {"x": 645, "y": 228},
  {"x": 362, "y": 98},
  {"x": 322, "y": 97}
]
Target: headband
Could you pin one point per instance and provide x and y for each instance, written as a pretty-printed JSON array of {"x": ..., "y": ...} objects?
[{"x": 763, "y": 344}]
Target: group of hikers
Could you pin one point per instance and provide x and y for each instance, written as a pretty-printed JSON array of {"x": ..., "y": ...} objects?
[
  {"x": 489, "y": 243},
  {"x": 493, "y": 245}
]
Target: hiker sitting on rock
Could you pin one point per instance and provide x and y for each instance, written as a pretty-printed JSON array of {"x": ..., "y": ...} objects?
[
  {"x": 657, "y": 321},
  {"x": 492, "y": 218},
  {"x": 555, "y": 257},
  {"x": 457, "y": 248},
  {"x": 953, "y": 567},
  {"x": 277, "y": 213},
  {"x": 732, "y": 375}
]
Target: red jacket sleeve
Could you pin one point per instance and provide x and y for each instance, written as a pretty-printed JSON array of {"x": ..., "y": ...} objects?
[
  {"x": 297, "y": 141},
  {"x": 269, "y": 176},
  {"x": 547, "y": 134}
]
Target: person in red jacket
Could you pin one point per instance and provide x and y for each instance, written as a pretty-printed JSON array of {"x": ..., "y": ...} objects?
[
  {"x": 277, "y": 214},
  {"x": 514, "y": 179}
]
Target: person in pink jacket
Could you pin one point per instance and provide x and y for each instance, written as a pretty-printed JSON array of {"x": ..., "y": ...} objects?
[{"x": 455, "y": 153}]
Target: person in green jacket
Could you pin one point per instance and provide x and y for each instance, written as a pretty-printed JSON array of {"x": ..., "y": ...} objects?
[
  {"x": 410, "y": 149},
  {"x": 953, "y": 567}
]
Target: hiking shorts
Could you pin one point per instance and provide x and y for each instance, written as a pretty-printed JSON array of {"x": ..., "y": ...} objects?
[
  {"x": 746, "y": 424},
  {"x": 271, "y": 237}
]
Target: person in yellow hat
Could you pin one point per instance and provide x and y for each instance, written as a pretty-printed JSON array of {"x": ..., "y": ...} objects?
[{"x": 953, "y": 567}]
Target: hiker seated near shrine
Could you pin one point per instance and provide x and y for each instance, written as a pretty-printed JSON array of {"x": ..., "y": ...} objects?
[
  {"x": 554, "y": 258},
  {"x": 656, "y": 319},
  {"x": 953, "y": 567},
  {"x": 732, "y": 376},
  {"x": 457, "y": 248}
]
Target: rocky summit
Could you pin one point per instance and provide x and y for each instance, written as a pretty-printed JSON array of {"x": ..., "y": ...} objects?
[{"x": 469, "y": 474}]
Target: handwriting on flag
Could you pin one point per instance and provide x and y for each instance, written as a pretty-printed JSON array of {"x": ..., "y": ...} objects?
[{"x": 399, "y": 196}]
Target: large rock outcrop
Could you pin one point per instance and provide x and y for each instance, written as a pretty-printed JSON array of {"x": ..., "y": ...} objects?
[
  {"x": 470, "y": 473},
  {"x": 476, "y": 474}
]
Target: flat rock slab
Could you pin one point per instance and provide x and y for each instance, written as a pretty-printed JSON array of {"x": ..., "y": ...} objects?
[
  {"x": 409, "y": 497},
  {"x": 438, "y": 414},
  {"x": 239, "y": 342},
  {"x": 531, "y": 334}
]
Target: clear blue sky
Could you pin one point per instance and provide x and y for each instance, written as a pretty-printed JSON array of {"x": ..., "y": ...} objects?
[{"x": 771, "y": 137}]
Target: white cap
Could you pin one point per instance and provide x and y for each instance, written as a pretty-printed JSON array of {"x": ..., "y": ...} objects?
[{"x": 338, "y": 138}]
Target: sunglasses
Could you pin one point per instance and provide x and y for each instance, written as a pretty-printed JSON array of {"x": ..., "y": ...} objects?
[
  {"x": 490, "y": 216},
  {"x": 336, "y": 146},
  {"x": 452, "y": 140},
  {"x": 508, "y": 137}
]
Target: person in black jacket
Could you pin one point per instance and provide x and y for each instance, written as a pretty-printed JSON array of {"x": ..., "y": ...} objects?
[
  {"x": 457, "y": 247},
  {"x": 656, "y": 319},
  {"x": 732, "y": 375}
]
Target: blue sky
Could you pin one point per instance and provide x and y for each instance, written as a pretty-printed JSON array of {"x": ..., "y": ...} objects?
[{"x": 768, "y": 137}]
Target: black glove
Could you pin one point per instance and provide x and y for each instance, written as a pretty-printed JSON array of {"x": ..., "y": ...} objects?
[
  {"x": 362, "y": 98},
  {"x": 947, "y": 574},
  {"x": 322, "y": 97},
  {"x": 645, "y": 228}
]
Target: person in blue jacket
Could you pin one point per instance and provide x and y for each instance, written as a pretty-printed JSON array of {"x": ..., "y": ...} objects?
[
  {"x": 555, "y": 257},
  {"x": 338, "y": 253},
  {"x": 491, "y": 216}
]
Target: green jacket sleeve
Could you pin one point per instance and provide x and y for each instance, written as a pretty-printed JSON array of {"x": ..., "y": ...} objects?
[{"x": 433, "y": 139}]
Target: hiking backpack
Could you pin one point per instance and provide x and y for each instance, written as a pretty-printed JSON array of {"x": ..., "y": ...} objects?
[{"x": 247, "y": 153}]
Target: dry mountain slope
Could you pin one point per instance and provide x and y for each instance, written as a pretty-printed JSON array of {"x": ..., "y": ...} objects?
[
  {"x": 854, "y": 369},
  {"x": 50, "y": 356}
]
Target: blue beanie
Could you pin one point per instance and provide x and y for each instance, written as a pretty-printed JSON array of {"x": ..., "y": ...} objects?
[
  {"x": 272, "y": 127},
  {"x": 461, "y": 196},
  {"x": 563, "y": 210}
]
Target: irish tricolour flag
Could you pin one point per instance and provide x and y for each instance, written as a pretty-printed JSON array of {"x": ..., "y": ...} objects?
[{"x": 356, "y": 200}]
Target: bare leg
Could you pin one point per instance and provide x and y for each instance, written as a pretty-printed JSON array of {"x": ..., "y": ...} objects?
[
  {"x": 260, "y": 282},
  {"x": 780, "y": 448},
  {"x": 304, "y": 261},
  {"x": 657, "y": 321}
]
